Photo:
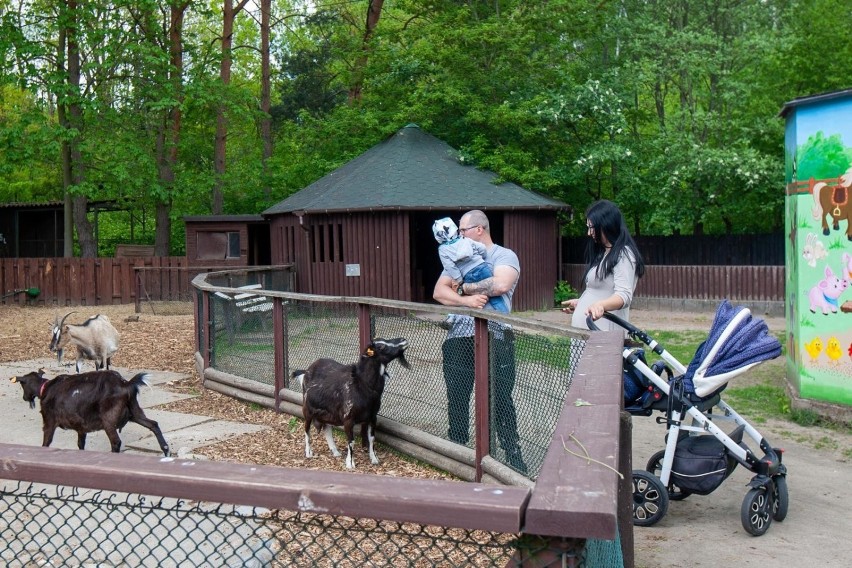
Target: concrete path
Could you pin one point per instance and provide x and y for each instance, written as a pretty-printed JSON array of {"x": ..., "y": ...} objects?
[{"x": 19, "y": 424}]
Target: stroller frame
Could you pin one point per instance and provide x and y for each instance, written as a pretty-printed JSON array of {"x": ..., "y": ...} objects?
[{"x": 767, "y": 498}]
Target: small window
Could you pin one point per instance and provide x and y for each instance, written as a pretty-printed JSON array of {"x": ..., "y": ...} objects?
[{"x": 233, "y": 245}]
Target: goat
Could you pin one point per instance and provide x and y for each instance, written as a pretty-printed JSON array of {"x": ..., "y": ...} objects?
[
  {"x": 345, "y": 395},
  {"x": 96, "y": 340},
  {"x": 88, "y": 402}
]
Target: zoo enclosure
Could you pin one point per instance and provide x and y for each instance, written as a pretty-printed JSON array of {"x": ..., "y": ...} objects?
[
  {"x": 251, "y": 355},
  {"x": 226, "y": 514}
]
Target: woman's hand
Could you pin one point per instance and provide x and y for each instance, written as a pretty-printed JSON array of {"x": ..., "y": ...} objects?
[
  {"x": 596, "y": 310},
  {"x": 568, "y": 306}
]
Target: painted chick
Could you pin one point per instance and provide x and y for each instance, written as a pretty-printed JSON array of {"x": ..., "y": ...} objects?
[
  {"x": 814, "y": 348},
  {"x": 833, "y": 349}
]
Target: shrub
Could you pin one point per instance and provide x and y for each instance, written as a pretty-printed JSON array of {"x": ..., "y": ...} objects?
[{"x": 563, "y": 291}]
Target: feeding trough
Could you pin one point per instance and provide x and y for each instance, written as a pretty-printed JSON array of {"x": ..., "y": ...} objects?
[{"x": 31, "y": 293}]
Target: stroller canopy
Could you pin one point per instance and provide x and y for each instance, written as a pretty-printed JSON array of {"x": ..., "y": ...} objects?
[{"x": 737, "y": 342}]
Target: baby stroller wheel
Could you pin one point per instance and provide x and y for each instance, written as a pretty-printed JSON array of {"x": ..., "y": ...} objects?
[
  {"x": 655, "y": 466},
  {"x": 756, "y": 512},
  {"x": 650, "y": 499},
  {"x": 781, "y": 499}
]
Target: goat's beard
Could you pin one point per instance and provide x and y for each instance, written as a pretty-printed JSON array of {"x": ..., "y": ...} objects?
[
  {"x": 32, "y": 403},
  {"x": 403, "y": 361}
]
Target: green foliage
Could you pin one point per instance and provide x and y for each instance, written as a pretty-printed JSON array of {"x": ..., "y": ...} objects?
[
  {"x": 669, "y": 109},
  {"x": 563, "y": 291}
]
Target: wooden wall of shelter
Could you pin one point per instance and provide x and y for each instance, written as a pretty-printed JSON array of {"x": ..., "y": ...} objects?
[
  {"x": 227, "y": 240},
  {"x": 394, "y": 255}
]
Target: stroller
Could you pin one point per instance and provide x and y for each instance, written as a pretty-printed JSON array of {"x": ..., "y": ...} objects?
[{"x": 699, "y": 456}]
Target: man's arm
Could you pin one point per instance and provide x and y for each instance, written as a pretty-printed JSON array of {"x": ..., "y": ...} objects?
[
  {"x": 446, "y": 294},
  {"x": 504, "y": 278}
]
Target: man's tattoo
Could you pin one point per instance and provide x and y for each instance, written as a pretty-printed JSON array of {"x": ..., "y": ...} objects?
[{"x": 482, "y": 287}]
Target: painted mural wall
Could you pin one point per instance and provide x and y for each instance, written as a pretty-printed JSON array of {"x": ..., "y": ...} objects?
[{"x": 818, "y": 145}]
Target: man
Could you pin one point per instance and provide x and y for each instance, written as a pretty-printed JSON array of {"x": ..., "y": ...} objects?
[{"x": 458, "y": 347}]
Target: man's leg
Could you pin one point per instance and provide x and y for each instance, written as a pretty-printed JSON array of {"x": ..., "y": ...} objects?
[
  {"x": 505, "y": 418},
  {"x": 458, "y": 376}
]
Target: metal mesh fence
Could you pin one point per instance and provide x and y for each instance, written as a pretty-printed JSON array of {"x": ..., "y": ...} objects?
[
  {"x": 62, "y": 526},
  {"x": 530, "y": 376},
  {"x": 530, "y": 373}
]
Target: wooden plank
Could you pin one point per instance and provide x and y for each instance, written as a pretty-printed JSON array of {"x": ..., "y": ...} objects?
[
  {"x": 574, "y": 497},
  {"x": 134, "y": 251},
  {"x": 105, "y": 283},
  {"x": 433, "y": 502}
]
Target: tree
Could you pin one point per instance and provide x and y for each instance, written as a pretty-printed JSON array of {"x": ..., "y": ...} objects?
[
  {"x": 229, "y": 12},
  {"x": 72, "y": 119}
]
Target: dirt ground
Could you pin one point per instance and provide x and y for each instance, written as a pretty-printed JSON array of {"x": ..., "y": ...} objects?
[{"x": 699, "y": 531}]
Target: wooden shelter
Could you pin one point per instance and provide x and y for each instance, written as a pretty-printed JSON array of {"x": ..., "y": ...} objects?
[
  {"x": 31, "y": 230},
  {"x": 365, "y": 229},
  {"x": 227, "y": 240}
]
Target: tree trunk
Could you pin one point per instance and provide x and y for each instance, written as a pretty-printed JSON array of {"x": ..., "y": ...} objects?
[
  {"x": 374, "y": 12},
  {"x": 229, "y": 12},
  {"x": 265, "y": 98},
  {"x": 85, "y": 236},
  {"x": 65, "y": 156},
  {"x": 168, "y": 135}
]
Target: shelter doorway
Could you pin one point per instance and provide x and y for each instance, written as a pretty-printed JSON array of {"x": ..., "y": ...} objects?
[{"x": 425, "y": 265}]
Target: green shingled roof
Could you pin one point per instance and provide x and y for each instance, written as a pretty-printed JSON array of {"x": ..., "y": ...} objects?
[{"x": 410, "y": 170}]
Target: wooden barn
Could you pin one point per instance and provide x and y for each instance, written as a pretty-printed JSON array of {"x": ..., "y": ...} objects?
[{"x": 365, "y": 229}]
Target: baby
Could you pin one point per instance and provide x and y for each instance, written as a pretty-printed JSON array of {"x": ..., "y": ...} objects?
[{"x": 464, "y": 259}]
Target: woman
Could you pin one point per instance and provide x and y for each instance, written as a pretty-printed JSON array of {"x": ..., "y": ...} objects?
[{"x": 613, "y": 266}]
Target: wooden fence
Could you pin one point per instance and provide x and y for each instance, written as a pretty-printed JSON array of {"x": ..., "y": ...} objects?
[
  {"x": 740, "y": 283},
  {"x": 87, "y": 281},
  {"x": 106, "y": 281}
]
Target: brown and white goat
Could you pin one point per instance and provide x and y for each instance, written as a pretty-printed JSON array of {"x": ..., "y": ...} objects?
[
  {"x": 344, "y": 395},
  {"x": 88, "y": 402},
  {"x": 95, "y": 339}
]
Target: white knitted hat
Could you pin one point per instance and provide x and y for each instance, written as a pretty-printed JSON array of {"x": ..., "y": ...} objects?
[{"x": 445, "y": 230}]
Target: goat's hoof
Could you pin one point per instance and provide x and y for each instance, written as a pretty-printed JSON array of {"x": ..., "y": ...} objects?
[{"x": 374, "y": 461}]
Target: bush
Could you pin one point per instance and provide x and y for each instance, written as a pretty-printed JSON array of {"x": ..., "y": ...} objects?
[{"x": 562, "y": 292}]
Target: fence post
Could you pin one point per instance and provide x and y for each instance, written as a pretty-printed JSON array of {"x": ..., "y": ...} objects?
[
  {"x": 481, "y": 395},
  {"x": 278, "y": 340},
  {"x": 625, "y": 488},
  {"x": 364, "y": 335},
  {"x": 137, "y": 283},
  {"x": 207, "y": 323}
]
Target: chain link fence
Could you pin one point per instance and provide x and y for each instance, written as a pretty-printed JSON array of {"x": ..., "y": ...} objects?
[
  {"x": 529, "y": 372},
  {"x": 62, "y": 526}
]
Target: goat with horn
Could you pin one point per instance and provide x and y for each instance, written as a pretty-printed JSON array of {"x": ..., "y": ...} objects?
[{"x": 95, "y": 339}]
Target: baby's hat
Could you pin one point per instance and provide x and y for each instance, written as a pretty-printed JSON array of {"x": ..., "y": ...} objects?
[{"x": 445, "y": 230}]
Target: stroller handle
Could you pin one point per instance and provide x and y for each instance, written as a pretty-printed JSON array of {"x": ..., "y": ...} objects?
[{"x": 633, "y": 331}]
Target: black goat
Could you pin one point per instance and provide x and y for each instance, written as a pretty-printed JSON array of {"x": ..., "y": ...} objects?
[
  {"x": 345, "y": 395},
  {"x": 88, "y": 402}
]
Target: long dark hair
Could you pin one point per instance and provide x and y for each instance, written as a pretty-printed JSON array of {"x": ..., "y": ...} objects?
[{"x": 607, "y": 220}]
